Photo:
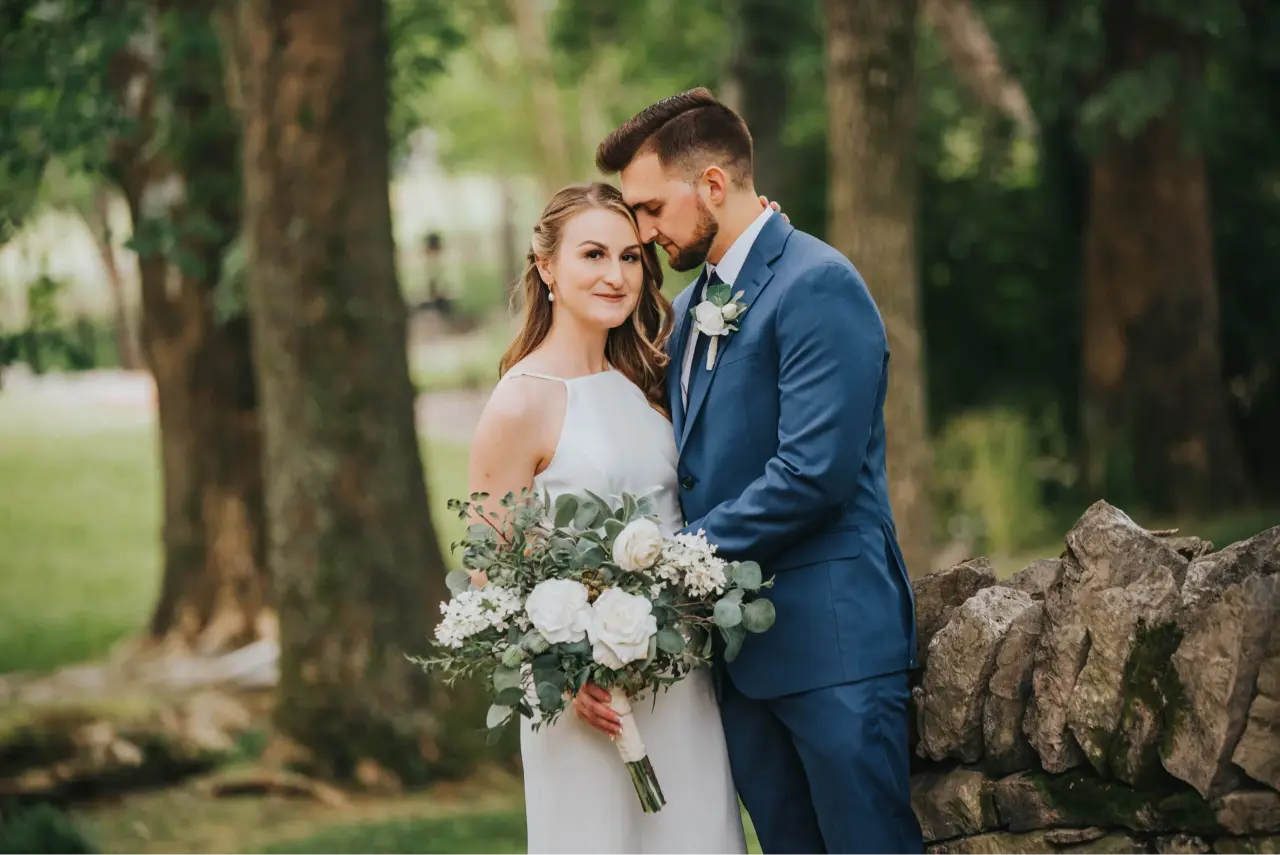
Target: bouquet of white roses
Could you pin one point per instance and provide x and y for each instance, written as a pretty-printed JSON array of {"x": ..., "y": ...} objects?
[{"x": 553, "y": 596}]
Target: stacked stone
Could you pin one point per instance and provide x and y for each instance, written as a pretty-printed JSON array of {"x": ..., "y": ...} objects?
[{"x": 1124, "y": 697}]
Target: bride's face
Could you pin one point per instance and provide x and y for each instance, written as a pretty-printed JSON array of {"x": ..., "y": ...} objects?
[{"x": 597, "y": 274}]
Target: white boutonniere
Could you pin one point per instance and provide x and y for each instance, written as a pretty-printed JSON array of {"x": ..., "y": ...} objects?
[{"x": 715, "y": 316}]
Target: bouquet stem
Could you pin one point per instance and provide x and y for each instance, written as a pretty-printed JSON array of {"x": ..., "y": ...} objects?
[{"x": 635, "y": 756}]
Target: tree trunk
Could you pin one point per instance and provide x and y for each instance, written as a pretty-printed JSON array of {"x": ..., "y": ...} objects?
[
  {"x": 214, "y": 594},
  {"x": 358, "y": 570},
  {"x": 759, "y": 69},
  {"x": 974, "y": 57},
  {"x": 1153, "y": 362},
  {"x": 548, "y": 125},
  {"x": 1153, "y": 385},
  {"x": 871, "y": 106},
  {"x": 99, "y": 223}
]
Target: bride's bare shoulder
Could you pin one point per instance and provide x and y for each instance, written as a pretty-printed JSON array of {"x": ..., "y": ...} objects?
[{"x": 520, "y": 402}]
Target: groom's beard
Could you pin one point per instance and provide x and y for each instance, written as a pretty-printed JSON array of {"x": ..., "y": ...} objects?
[{"x": 695, "y": 254}]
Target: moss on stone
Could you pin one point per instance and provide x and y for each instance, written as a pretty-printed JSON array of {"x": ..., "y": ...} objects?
[
  {"x": 1150, "y": 686},
  {"x": 1082, "y": 798}
]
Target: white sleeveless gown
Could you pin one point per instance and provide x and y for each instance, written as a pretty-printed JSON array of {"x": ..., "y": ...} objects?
[{"x": 578, "y": 795}]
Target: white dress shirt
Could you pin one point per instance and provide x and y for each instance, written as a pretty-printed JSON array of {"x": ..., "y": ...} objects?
[{"x": 729, "y": 268}]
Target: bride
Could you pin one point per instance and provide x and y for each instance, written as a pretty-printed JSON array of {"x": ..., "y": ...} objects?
[{"x": 580, "y": 407}]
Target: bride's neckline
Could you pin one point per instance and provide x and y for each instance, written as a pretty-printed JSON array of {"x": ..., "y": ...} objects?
[{"x": 517, "y": 372}]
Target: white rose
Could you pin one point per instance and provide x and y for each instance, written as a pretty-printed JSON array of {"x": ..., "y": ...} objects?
[
  {"x": 638, "y": 546},
  {"x": 709, "y": 317},
  {"x": 558, "y": 609},
  {"x": 621, "y": 625},
  {"x": 731, "y": 310}
]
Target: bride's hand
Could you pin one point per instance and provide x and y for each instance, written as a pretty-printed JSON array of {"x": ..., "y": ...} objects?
[
  {"x": 775, "y": 206},
  {"x": 591, "y": 705}
]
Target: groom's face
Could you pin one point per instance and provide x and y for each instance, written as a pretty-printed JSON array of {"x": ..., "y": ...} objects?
[{"x": 670, "y": 211}]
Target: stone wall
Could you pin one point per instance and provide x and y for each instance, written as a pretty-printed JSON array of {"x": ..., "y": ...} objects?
[{"x": 1124, "y": 697}]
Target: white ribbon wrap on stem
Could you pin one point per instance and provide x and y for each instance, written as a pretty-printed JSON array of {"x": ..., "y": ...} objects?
[
  {"x": 711, "y": 351},
  {"x": 630, "y": 745}
]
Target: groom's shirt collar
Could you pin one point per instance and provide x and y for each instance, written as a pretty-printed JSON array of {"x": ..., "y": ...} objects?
[{"x": 730, "y": 266}]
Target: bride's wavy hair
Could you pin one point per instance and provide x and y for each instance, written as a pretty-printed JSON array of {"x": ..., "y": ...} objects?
[{"x": 637, "y": 348}]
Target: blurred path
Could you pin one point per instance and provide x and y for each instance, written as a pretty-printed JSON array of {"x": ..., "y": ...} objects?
[{"x": 449, "y": 416}]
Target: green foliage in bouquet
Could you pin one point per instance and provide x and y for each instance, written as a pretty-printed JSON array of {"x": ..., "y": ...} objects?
[{"x": 555, "y": 594}]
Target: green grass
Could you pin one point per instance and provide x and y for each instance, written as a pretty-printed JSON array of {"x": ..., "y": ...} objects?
[
  {"x": 481, "y": 815},
  {"x": 488, "y": 832},
  {"x": 80, "y": 553},
  {"x": 476, "y": 832},
  {"x": 80, "y": 536}
]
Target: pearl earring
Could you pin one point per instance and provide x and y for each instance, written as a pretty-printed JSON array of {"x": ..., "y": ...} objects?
[{"x": 551, "y": 298}]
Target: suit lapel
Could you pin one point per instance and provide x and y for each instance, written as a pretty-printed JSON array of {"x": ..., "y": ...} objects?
[
  {"x": 679, "y": 344},
  {"x": 755, "y": 275}
]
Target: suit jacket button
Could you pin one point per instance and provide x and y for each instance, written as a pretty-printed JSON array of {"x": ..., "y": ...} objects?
[{"x": 688, "y": 482}]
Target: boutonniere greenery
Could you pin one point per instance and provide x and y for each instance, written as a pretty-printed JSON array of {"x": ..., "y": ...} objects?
[{"x": 715, "y": 316}]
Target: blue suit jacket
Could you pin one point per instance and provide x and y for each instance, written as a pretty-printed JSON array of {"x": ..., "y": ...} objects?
[{"x": 782, "y": 461}]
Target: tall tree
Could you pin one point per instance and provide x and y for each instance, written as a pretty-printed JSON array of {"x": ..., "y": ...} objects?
[
  {"x": 97, "y": 216},
  {"x": 357, "y": 566},
  {"x": 871, "y": 106},
  {"x": 179, "y": 171},
  {"x": 765, "y": 34},
  {"x": 131, "y": 91},
  {"x": 1153, "y": 381},
  {"x": 548, "y": 125}
]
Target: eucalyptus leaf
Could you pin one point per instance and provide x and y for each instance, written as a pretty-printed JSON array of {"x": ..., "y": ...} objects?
[
  {"x": 545, "y": 664},
  {"x": 476, "y": 559},
  {"x": 506, "y": 678},
  {"x": 566, "y": 509},
  {"x": 733, "y": 639},
  {"x": 493, "y": 736},
  {"x": 728, "y": 614},
  {"x": 458, "y": 581},
  {"x": 670, "y": 641},
  {"x": 597, "y": 499},
  {"x": 509, "y": 697},
  {"x": 748, "y": 575},
  {"x": 719, "y": 294},
  {"x": 628, "y": 507},
  {"x": 593, "y": 555},
  {"x": 613, "y": 528},
  {"x": 758, "y": 615},
  {"x": 577, "y": 648},
  {"x": 735, "y": 596},
  {"x": 497, "y": 716},
  {"x": 550, "y": 698},
  {"x": 585, "y": 516}
]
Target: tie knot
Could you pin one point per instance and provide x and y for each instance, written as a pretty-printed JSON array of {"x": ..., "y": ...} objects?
[{"x": 713, "y": 279}]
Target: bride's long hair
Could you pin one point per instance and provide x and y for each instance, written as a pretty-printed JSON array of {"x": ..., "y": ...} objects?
[{"x": 637, "y": 348}]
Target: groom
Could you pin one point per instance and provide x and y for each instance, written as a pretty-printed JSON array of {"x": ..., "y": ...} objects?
[{"x": 780, "y": 429}]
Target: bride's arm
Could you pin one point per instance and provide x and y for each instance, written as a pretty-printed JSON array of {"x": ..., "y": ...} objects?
[
  {"x": 514, "y": 440},
  {"x": 508, "y": 448}
]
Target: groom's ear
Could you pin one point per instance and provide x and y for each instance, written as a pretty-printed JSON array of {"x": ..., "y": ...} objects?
[{"x": 716, "y": 183}]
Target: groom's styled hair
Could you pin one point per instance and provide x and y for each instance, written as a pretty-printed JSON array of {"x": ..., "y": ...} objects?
[{"x": 689, "y": 131}]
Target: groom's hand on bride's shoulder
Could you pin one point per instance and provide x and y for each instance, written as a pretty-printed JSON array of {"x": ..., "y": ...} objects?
[
  {"x": 775, "y": 206},
  {"x": 591, "y": 704}
]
